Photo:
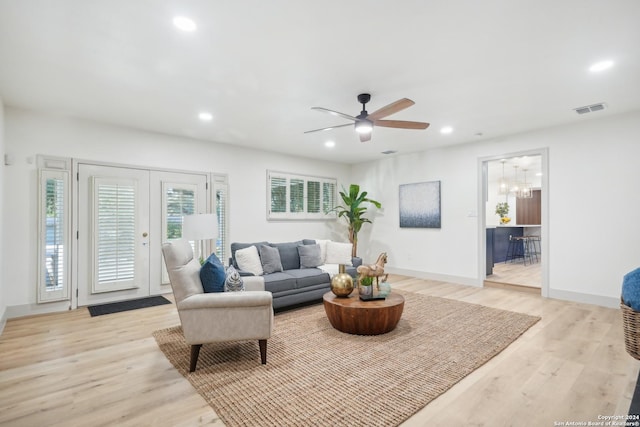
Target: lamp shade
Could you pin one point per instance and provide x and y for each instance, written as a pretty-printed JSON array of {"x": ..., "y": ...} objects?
[{"x": 200, "y": 227}]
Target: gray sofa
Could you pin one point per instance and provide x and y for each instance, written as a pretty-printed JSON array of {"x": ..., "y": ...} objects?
[{"x": 294, "y": 284}]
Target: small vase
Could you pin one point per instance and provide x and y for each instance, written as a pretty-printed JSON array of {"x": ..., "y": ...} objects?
[
  {"x": 342, "y": 283},
  {"x": 385, "y": 289},
  {"x": 366, "y": 291}
]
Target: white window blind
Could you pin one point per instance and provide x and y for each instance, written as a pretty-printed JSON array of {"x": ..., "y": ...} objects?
[
  {"x": 178, "y": 203},
  {"x": 221, "y": 190},
  {"x": 54, "y": 240},
  {"x": 301, "y": 197},
  {"x": 114, "y": 232}
]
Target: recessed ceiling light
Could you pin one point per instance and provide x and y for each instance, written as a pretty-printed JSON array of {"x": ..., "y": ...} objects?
[
  {"x": 446, "y": 129},
  {"x": 205, "y": 117},
  {"x": 185, "y": 24},
  {"x": 329, "y": 144},
  {"x": 601, "y": 66}
]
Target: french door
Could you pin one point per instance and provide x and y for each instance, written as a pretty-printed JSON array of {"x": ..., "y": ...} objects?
[{"x": 124, "y": 215}]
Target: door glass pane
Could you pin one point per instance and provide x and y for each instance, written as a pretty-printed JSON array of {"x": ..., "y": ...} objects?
[
  {"x": 54, "y": 235},
  {"x": 221, "y": 209},
  {"x": 180, "y": 202},
  {"x": 115, "y": 232}
]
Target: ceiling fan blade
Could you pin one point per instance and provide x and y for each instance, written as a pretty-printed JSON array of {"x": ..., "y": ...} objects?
[
  {"x": 388, "y": 110},
  {"x": 335, "y": 113},
  {"x": 365, "y": 137},
  {"x": 402, "y": 124},
  {"x": 329, "y": 128}
]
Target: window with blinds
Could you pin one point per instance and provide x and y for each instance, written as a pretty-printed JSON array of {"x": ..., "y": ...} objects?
[
  {"x": 114, "y": 232},
  {"x": 299, "y": 197},
  {"x": 221, "y": 190},
  {"x": 53, "y": 242}
]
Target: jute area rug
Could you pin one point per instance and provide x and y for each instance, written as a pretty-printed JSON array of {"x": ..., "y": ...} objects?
[{"x": 317, "y": 376}]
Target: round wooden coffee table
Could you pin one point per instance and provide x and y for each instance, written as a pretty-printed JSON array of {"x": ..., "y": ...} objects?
[{"x": 353, "y": 316}]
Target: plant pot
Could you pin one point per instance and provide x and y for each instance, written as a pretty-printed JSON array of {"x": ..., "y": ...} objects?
[{"x": 366, "y": 290}]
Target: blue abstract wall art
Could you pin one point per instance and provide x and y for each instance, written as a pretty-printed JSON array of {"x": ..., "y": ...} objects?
[{"x": 420, "y": 205}]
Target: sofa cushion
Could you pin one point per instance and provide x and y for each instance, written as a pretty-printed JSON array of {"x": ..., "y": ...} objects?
[
  {"x": 212, "y": 275},
  {"x": 309, "y": 277},
  {"x": 309, "y": 256},
  {"x": 338, "y": 253},
  {"x": 288, "y": 254},
  {"x": 270, "y": 258},
  {"x": 249, "y": 260},
  {"x": 278, "y": 282},
  {"x": 235, "y": 246}
]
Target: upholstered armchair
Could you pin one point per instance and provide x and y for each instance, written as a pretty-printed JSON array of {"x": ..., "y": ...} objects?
[{"x": 218, "y": 316}]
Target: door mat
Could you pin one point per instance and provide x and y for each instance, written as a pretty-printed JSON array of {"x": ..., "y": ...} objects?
[{"x": 117, "y": 307}]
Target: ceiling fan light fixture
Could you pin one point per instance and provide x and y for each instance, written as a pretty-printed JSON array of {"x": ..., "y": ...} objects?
[{"x": 364, "y": 126}]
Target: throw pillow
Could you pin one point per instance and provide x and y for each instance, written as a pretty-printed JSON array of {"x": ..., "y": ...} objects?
[
  {"x": 288, "y": 254},
  {"x": 233, "y": 282},
  {"x": 212, "y": 275},
  {"x": 249, "y": 260},
  {"x": 631, "y": 289},
  {"x": 323, "y": 249},
  {"x": 338, "y": 253},
  {"x": 270, "y": 258},
  {"x": 309, "y": 256}
]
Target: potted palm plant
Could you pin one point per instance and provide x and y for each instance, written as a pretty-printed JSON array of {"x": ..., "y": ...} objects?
[{"x": 353, "y": 209}]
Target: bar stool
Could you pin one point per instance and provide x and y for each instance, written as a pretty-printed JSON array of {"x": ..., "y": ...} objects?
[
  {"x": 515, "y": 250},
  {"x": 534, "y": 246}
]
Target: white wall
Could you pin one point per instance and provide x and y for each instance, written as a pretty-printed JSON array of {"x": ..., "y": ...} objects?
[
  {"x": 594, "y": 207},
  {"x": 3, "y": 304},
  {"x": 29, "y": 133}
]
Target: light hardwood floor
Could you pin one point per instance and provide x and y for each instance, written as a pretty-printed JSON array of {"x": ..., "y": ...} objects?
[
  {"x": 516, "y": 273},
  {"x": 69, "y": 369}
]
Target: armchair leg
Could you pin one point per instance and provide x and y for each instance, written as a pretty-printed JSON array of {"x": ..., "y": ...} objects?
[
  {"x": 263, "y": 351},
  {"x": 195, "y": 352}
]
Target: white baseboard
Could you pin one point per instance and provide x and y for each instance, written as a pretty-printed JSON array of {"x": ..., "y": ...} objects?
[
  {"x": 468, "y": 281},
  {"x": 23, "y": 310},
  {"x": 600, "y": 300},
  {"x": 553, "y": 293}
]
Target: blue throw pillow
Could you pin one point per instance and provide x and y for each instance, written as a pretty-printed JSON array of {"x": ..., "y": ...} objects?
[
  {"x": 631, "y": 289},
  {"x": 212, "y": 275}
]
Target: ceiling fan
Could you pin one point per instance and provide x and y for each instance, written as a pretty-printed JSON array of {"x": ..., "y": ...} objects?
[{"x": 364, "y": 122}]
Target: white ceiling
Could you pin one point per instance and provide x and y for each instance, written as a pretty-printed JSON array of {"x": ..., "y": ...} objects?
[{"x": 490, "y": 67}]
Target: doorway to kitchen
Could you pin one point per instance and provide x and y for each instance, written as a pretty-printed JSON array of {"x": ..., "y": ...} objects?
[{"x": 514, "y": 218}]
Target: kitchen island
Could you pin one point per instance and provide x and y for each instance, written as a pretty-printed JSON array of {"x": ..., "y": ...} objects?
[{"x": 498, "y": 241}]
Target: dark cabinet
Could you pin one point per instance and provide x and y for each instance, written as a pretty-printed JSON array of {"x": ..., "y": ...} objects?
[
  {"x": 501, "y": 241},
  {"x": 529, "y": 211}
]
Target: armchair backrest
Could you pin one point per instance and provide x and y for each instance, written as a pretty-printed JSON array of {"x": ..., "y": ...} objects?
[{"x": 183, "y": 269}]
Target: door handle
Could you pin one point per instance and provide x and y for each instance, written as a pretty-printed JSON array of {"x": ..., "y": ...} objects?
[{"x": 145, "y": 234}]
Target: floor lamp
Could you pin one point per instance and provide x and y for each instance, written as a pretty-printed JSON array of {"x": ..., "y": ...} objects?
[{"x": 199, "y": 228}]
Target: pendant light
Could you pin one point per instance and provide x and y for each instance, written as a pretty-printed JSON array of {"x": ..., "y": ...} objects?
[
  {"x": 503, "y": 185},
  {"x": 526, "y": 190}
]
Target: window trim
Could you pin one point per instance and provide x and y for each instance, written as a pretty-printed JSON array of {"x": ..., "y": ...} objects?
[{"x": 324, "y": 215}]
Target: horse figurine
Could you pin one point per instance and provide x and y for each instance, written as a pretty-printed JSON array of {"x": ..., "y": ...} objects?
[{"x": 374, "y": 270}]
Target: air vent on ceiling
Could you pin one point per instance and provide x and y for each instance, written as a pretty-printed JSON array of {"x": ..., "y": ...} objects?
[
  {"x": 589, "y": 108},
  {"x": 389, "y": 152}
]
